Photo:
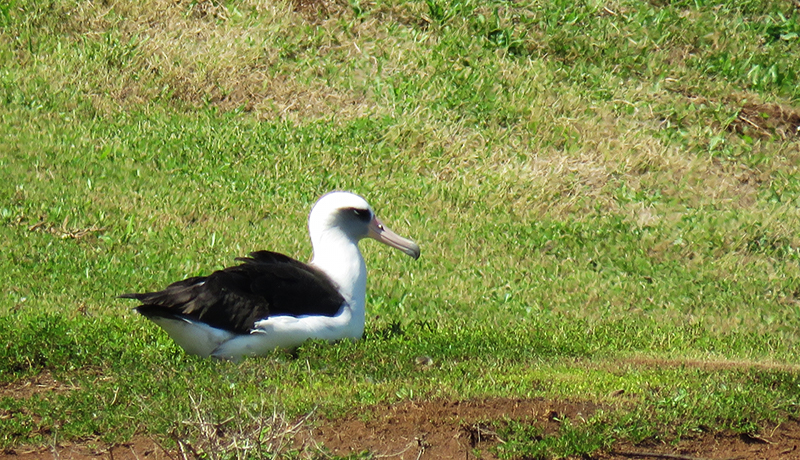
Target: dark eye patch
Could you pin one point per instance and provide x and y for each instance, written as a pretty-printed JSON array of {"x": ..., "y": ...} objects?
[{"x": 362, "y": 214}]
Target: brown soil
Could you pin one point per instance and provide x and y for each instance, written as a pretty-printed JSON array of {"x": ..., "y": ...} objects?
[
  {"x": 458, "y": 430},
  {"x": 437, "y": 429},
  {"x": 38, "y": 384},
  {"x": 780, "y": 442},
  {"x": 138, "y": 448},
  {"x": 766, "y": 120},
  {"x": 452, "y": 430}
]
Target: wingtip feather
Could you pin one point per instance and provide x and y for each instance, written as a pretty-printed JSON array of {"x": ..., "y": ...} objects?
[{"x": 130, "y": 295}]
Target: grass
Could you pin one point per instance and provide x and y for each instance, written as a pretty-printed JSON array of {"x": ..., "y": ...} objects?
[{"x": 575, "y": 175}]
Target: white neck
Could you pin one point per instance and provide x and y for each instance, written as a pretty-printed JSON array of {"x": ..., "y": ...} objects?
[{"x": 339, "y": 257}]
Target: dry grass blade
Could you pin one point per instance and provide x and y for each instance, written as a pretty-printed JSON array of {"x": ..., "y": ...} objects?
[
  {"x": 63, "y": 231},
  {"x": 246, "y": 435}
]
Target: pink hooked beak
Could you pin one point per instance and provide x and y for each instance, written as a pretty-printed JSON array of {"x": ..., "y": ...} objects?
[{"x": 380, "y": 232}]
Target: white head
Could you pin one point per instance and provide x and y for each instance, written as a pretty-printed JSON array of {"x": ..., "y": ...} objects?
[{"x": 347, "y": 215}]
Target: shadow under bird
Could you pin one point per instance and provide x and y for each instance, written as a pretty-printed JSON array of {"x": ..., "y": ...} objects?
[{"x": 273, "y": 301}]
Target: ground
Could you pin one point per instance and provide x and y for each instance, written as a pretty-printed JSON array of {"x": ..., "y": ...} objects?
[
  {"x": 458, "y": 430},
  {"x": 441, "y": 429}
]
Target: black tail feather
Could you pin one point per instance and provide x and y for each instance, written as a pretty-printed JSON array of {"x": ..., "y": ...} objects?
[
  {"x": 131, "y": 295},
  {"x": 155, "y": 311}
]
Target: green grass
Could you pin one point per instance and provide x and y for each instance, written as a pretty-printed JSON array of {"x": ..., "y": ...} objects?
[{"x": 569, "y": 170}]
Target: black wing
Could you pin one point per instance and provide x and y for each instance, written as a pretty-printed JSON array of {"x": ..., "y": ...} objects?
[{"x": 265, "y": 284}]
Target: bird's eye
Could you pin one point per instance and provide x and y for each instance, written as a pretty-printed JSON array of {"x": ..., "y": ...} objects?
[{"x": 362, "y": 214}]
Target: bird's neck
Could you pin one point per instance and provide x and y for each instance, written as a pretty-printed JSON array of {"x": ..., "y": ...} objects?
[{"x": 339, "y": 257}]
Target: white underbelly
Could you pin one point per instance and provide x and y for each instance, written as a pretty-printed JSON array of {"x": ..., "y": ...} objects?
[{"x": 290, "y": 332}]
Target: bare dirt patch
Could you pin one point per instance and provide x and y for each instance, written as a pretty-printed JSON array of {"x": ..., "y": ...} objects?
[
  {"x": 459, "y": 430},
  {"x": 445, "y": 429},
  {"x": 38, "y": 384},
  {"x": 766, "y": 120},
  {"x": 137, "y": 449},
  {"x": 754, "y": 119},
  {"x": 440, "y": 429},
  {"x": 778, "y": 442}
]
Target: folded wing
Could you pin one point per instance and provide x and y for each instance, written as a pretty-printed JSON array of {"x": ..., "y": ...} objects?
[{"x": 265, "y": 284}]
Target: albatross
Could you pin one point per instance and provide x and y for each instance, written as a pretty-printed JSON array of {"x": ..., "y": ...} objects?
[{"x": 272, "y": 301}]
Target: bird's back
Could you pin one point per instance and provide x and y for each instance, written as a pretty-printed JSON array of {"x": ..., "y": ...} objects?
[{"x": 265, "y": 284}]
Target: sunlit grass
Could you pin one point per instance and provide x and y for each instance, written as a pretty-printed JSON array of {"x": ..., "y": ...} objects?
[{"x": 584, "y": 206}]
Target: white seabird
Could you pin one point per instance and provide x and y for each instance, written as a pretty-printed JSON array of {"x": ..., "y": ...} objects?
[{"x": 273, "y": 301}]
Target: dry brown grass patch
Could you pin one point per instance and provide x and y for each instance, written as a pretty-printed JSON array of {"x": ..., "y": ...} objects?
[
  {"x": 711, "y": 365},
  {"x": 264, "y": 58}
]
